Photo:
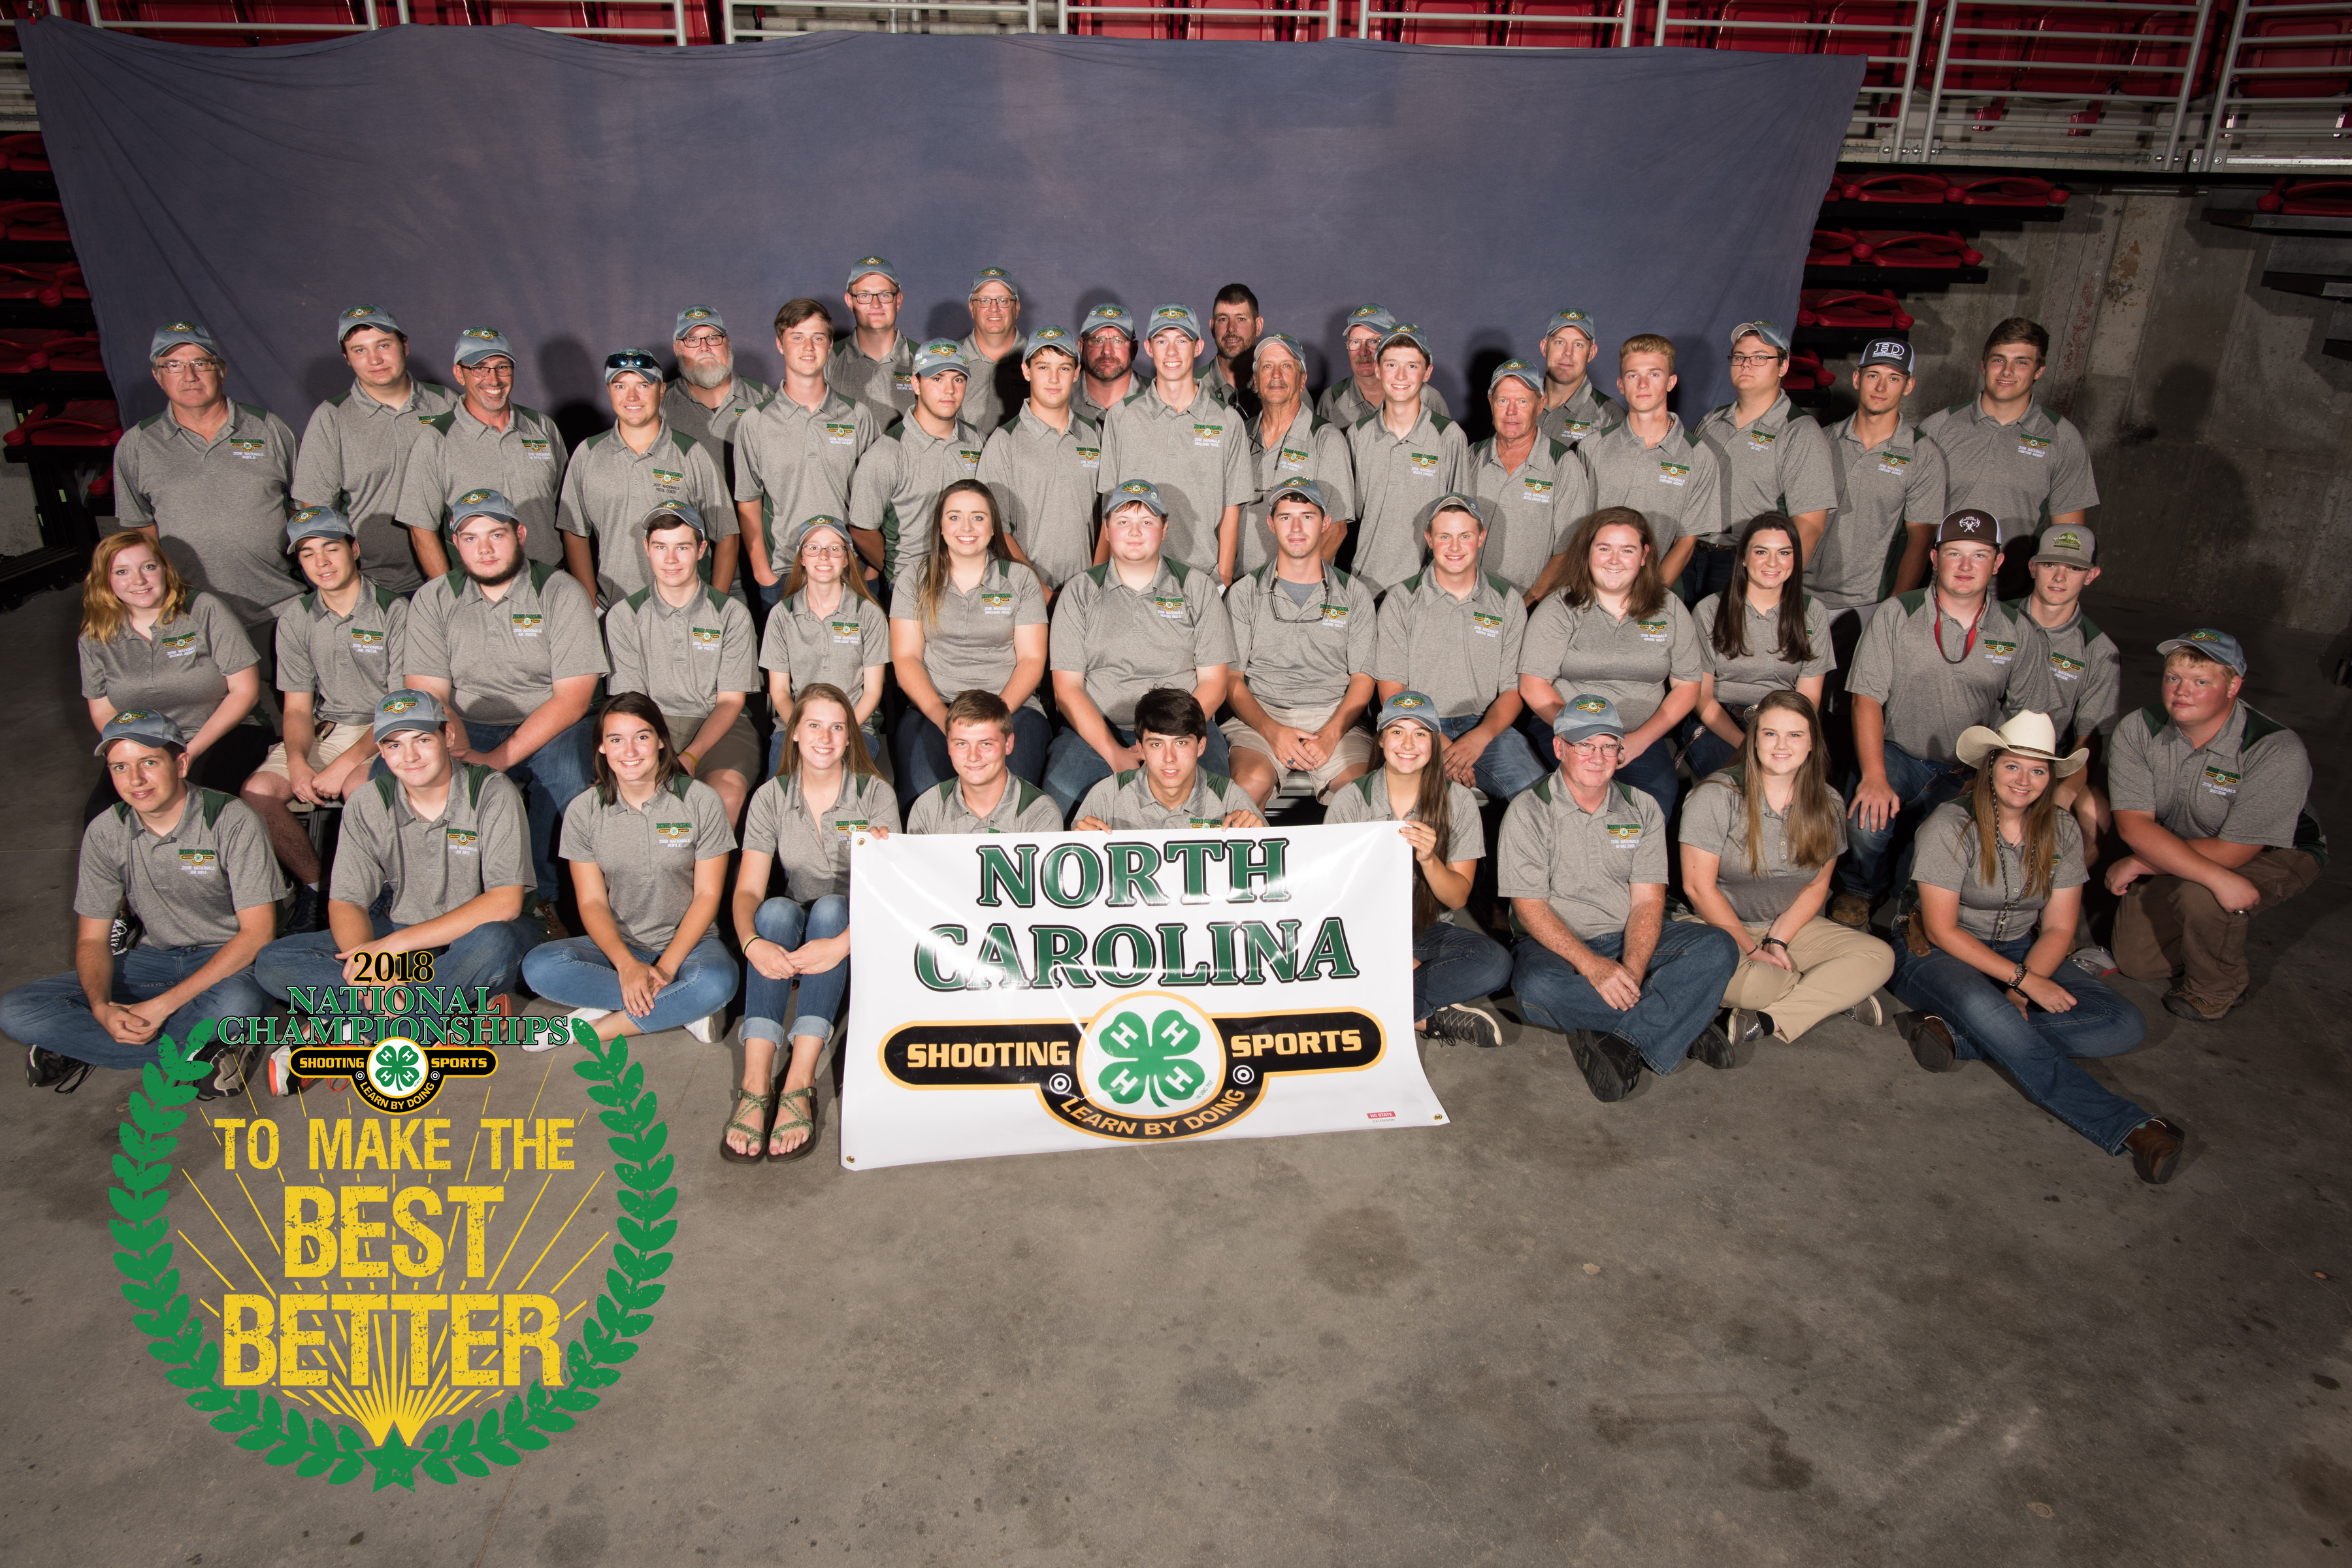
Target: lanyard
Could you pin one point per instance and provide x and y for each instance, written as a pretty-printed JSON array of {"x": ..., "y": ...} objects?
[{"x": 1966, "y": 648}]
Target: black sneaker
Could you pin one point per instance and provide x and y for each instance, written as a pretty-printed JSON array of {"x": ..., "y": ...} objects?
[
  {"x": 1611, "y": 1067},
  {"x": 1931, "y": 1041},
  {"x": 1715, "y": 1045},
  {"x": 124, "y": 934},
  {"x": 309, "y": 911},
  {"x": 47, "y": 1069},
  {"x": 1458, "y": 1026}
]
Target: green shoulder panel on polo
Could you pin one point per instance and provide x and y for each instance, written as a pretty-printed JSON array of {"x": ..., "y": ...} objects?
[
  {"x": 1219, "y": 783},
  {"x": 1501, "y": 585},
  {"x": 1177, "y": 568},
  {"x": 1124, "y": 779},
  {"x": 1957, "y": 408},
  {"x": 1608, "y": 429},
  {"x": 1100, "y": 574},
  {"x": 310, "y": 602},
  {"x": 1439, "y": 422},
  {"x": 211, "y": 803},
  {"x": 1364, "y": 785},
  {"x": 540, "y": 571},
  {"x": 945, "y": 790},
  {"x": 1411, "y": 585},
  {"x": 1010, "y": 420},
  {"x": 526, "y": 413},
  {"x": 685, "y": 443},
  {"x": 2154, "y": 717},
  {"x": 595, "y": 441},
  {"x": 896, "y": 425},
  {"x": 443, "y": 421},
  {"x": 1911, "y": 600},
  {"x": 254, "y": 409},
  {"x": 2091, "y": 632},
  {"x": 1026, "y": 795},
  {"x": 122, "y": 810},
  {"x": 338, "y": 399},
  {"x": 1690, "y": 437},
  {"x": 1626, "y": 793},
  {"x": 385, "y": 597},
  {"x": 1342, "y": 578},
  {"x": 385, "y": 786},
  {"x": 717, "y": 600},
  {"x": 477, "y": 775},
  {"x": 1258, "y": 576},
  {"x": 1542, "y": 788},
  {"x": 1140, "y": 388},
  {"x": 1561, "y": 450},
  {"x": 2259, "y": 726},
  {"x": 148, "y": 423},
  {"x": 1366, "y": 419},
  {"x": 636, "y": 601},
  {"x": 678, "y": 782}
]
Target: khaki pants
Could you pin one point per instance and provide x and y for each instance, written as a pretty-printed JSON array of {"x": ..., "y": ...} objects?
[
  {"x": 1836, "y": 967},
  {"x": 330, "y": 741},
  {"x": 2167, "y": 926}
]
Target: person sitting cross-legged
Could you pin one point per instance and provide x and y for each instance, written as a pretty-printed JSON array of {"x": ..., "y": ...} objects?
[{"x": 1583, "y": 859}]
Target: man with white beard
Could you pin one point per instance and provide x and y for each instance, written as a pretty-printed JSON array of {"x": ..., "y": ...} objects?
[{"x": 708, "y": 397}]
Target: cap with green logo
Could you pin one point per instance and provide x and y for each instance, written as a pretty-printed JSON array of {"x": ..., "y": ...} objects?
[
  {"x": 1571, "y": 318},
  {"x": 476, "y": 344},
  {"x": 317, "y": 522},
  {"x": 1307, "y": 490},
  {"x": 1106, "y": 315},
  {"x": 1282, "y": 340},
  {"x": 146, "y": 728},
  {"x": 1586, "y": 717},
  {"x": 1173, "y": 318},
  {"x": 811, "y": 527},
  {"x": 1516, "y": 369},
  {"x": 481, "y": 504},
  {"x": 1053, "y": 338},
  {"x": 358, "y": 316},
  {"x": 2212, "y": 644},
  {"x": 2071, "y": 546},
  {"x": 1137, "y": 492},
  {"x": 408, "y": 709},
  {"x": 1404, "y": 332},
  {"x": 1413, "y": 705},
  {"x": 938, "y": 356},
  {"x": 987, "y": 275},
  {"x": 1373, "y": 318},
  {"x": 695, "y": 315},
  {"x": 171, "y": 334},
  {"x": 670, "y": 513},
  {"x": 633, "y": 361},
  {"x": 866, "y": 267}
]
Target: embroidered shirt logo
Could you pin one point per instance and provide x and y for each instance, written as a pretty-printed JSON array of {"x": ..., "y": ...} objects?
[
  {"x": 1626, "y": 833},
  {"x": 365, "y": 640},
  {"x": 1998, "y": 651},
  {"x": 1654, "y": 631},
  {"x": 533, "y": 447},
  {"x": 1335, "y": 615},
  {"x": 178, "y": 646},
  {"x": 2065, "y": 668},
  {"x": 199, "y": 862},
  {"x": 841, "y": 434},
  {"x": 2032, "y": 446},
  {"x": 245, "y": 447},
  {"x": 995, "y": 604},
  {"x": 704, "y": 636},
  {"x": 1674, "y": 473},
  {"x": 1536, "y": 490},
  {"x": 677, "y": 835},
  {"x": 1169, "y": 605},
  {"x": 847, "y": 632},
  {"x": 526, "y": 623},
  {"x": 1208, "y": 435},
  {"x": 462, "y": 840},
  {"x": 1090, "y": 457},
  {"x": 1424, "y": 463},
  {"x": 2220, "y": 781},
  {"x": 667, "y": 479},
  {"x": 1485, "y": 623}
]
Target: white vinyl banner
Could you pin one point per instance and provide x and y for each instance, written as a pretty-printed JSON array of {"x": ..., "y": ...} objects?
[{"x": 1018, "y": 994}]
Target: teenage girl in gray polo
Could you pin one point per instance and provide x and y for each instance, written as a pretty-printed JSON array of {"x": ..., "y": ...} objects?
[
  {"x": 1776, "y": 638},
  {"x": 827, "y": 631}
]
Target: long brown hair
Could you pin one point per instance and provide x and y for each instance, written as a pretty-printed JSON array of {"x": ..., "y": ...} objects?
[
  {"x": 1433, "y": 809},
  {"x": 103, "y": 615},
  {"x": 1808, "y": 831},
  {"x": 853, "y": 574},
  {"x": 1649, "y": 590},
  {"x": 2040, "y": 849},
  {"x": 633, "y": 705},
  {"x": 1730, "y": 637},
  {"x": 934, "y": 579},
  {"x": 856, "y": 758}
]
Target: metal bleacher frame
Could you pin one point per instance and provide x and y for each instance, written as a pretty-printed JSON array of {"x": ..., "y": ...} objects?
[
  {"x": 2245, "y": 125},
  {"x": 1707, "y": 21},
  {"x": 917, "y": 15},
  {"x": 2149, "y": 128},
  {"x": 368, "y": 17}
]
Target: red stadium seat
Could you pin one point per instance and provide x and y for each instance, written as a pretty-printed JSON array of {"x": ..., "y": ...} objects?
[
  {"x": 91, "y": 423},
  {"x": 1891, "y": 37},
  {"x": 1836, "y": 247},
  {"x": 1905, "y": 187},
  {"x": 1806, "y": 372},
  {"x": 1847, "y": 308},
  {"x": 67, "y": 353},
  {"x": 1561, "y": 23},
  {"x": 2006, "y": 191},
  {"x": 1897, "y": 248},
  {"x": 1475, "y": 22},
  {"x": 50, "y": 282},
  {"x": 2102, "y": 57},
  {"x": 2308, "y": 198},
  {"x": 1795, "y": 36},
  {"x": 2159, "y": 47},
  {"x": 25, "y": 154},
  {"x": 33, "y": 221},
  {"x": 20, "y": 349},
  {"x": 2270, "y": 44},
  {"x": 1976, "y": 64}
]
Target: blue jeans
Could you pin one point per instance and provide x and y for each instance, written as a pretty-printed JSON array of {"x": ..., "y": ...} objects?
[
  {"x": 490, "y": 955},
  {"x": 1708, "y": 572},
  {"x": 787, "y": 924},
  {"x": 2038, "y": 1051},
  {"x": 1877, "y": 859},
  {"x": 1074, "y": 767},
  {"x": 550, "y": 778},
  {"x": 1680, "y": 994},
  {"x": 1508, "y": 766},
  {"x": 54, "y": 1013},
  {"x": 1456, "y": 965},
  {"x": 575, "y": 973},
  {"x": 921, "y": 749},
  {"x": 1708, "y": 751}
]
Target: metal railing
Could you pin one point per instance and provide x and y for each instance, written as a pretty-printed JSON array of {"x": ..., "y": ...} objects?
[
  {"x": 1506, "y": 23},
  {"x": 1267, "y": 23},
  {"x": 2125, "y": 92},
  {"x": 368, "y": 18},
  {"x": 366, "y": 22},
  {"x": 1819, "y": 29},
  {"x": 878, "y": 16},
  {"x": 2253, "y": 128}
]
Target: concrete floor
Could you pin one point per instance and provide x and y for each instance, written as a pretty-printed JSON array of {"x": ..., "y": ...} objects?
[{"x": 1825, "y": 1309}]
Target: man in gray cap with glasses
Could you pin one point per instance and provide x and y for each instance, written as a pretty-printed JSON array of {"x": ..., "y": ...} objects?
[
  {"x": 620, "y": 475},
  {"x": 875, "y": 364},
  {"x": 358, "y": 441},
  {"x": 1573, "y": 407},
  {"x": 1533, "y": 488},
  {"x": 487, "y": 442},
  {"x": 1769, "y": 458},
  {"x": 1345, "y": 402},
  {"x": 991, "y": 349},
  {"x": 1290, "y": 442},
  {"x": 708, "y": 397}
]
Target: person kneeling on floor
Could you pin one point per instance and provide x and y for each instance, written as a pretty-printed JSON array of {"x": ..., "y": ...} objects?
[
  {"x": 1583, "y": 859},
  {"x": 197, "y": 870}
]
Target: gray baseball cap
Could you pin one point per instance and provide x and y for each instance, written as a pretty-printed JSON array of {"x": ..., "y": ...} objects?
[
  {"x": 1587, "y": 715},
  {"x": 476, "y": 344},
  {"x": 822, "y": 524},
  {"x": 1053, "y": 338},
  {"x": 1895, "y": 351},
  {"x": 941, "y": 355},
  {"x": 669, "y": 513},
  {"x": 1774, "y": 338},
  {"x": 1571, "y": 317},
  {"x": 866, "y": 265},
  {"x": 317, "y": 522},
  {"x": 1404, "y": 332},
  {"x": 1135, "y": 491},
  {"x": 1413, "y": 705},
  {"x": 405, "y": 708},
  {"x": 143, "y": 725},
  {"x": 633, "y": 361},
  {"x": 171, "y": 334},
  {"x": 1375, "y": 317},
  {"x": 1166, "y": 318},
  {"x": 481, "y": 504},
  {"x": 358, "y": 316},
  {"x": 1307, "y": 490},
  {"x": 1106, "y": 315},
  {"x": 1516, "y": 369},
  {"x": 2073, "y": 546},
  {"x": 988, "y": 275},
  {"x": 695, "y": 315},
  {"x": 1282, "y": 340},
  {"x": 2211, "y": 644},
  {"x": 1461, "y": 500}
]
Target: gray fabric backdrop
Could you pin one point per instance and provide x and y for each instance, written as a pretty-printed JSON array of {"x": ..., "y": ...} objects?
[{"x": 577, "y": 193}]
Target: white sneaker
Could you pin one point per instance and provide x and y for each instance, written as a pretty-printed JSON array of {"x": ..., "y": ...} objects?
[
  {"x": 2095, "y": 961},
  {"x": 708, "y": 1029},
  {"x": 1869, "y": 1012},
  {"x": 281, "y": 1070},
  {"x": 548, "y": 1041}
]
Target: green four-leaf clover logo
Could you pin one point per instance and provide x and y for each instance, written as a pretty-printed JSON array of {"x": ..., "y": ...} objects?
[
  {"x": 1159, "y": 1061},
  {"x": 396, "y": 1066}
]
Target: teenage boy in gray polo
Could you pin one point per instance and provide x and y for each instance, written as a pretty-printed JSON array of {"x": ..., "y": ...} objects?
[
  {"x": 1042, "y": 466},
  {"x": 1772, "y": 458},
  {"x": 795, "y": 454},
  {"x": 1195, "y": 447},
  {"x": 511, "y": 647},
  {"x": 1452, "y": 632},
  {"x": 1930, "y": 664},
  {"x": 1304, "y": 635},
  {"x": 1106, "y": 349},
  {"x": 875, "y": 364},
  {"x": 1583, "y": 860},
  {"x": 207, "y": 478},
  {"x": 2085, "y": 665},
  {"x": 1890, "y": 480},
  {"x": 900, "y": 477},
  {"x": 1573, "y": 407},
  {"x": 2214, "y": 799},
  {"x": 487, "y": 442},
  {"x": 1648, "y": 461},
  {"x": 991, "y": 349},
  {"x": 338, "y": 653},
  {"x": 708, "y": 398},
  {"x": 621, "y": 474},
  {"x": 1406, "y": 457},
  {"x": 985, "y": 795},
  {"x": 1289, "y": 442},
  {"x": 432, "y": 859},
  {"x": 1167, "y": 788},
  {"x": 1141, "y": 619},
  {"x": 195, "y": 867},
  {"x": 1536, "y": 489},
  {"x": 1346, "y": 402},
  {"x": 358, "y": 441}
]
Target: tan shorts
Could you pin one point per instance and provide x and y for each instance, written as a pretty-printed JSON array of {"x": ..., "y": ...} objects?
[
  {"x": 328, "y": 740},
  {"x": 1352, "y": 752},
  {"x": 738, "y": 750}
]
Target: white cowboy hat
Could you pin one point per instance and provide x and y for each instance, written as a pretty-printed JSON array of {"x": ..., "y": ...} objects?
[{"x": 2029, "y": 735}]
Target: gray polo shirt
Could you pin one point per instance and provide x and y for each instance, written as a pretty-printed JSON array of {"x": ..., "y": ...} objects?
[
  {"x": 608, "y": 489},
  {"x": 1747, "y": 680},
  {"x": 1946, "y": 854},
  {"x": 1310, "y": 447},
  {"x": 1580, "y": 416},
  {"x": 2024, "y": 474},
  {"x": 969, "y": 643},
  {"x": 180, "y": 667},
  {"x": 2087, "y": 671},
  {"x": 503, "y": 656},
  {"x": 1344, "y": 406},
  {"x": 1084, "y": 401},
  {"x": 2248, "y": 784},
  {"x": 1674, "y": 485},
  {"x": 186, "y": 886},
  {"x": 1781, "y": 462},
  {"x": 898, "y": 482},
  {"x": 1628, "y": 661},
  {"x": 797, "y": 463},
  {"x": 524, "y": 462},
  {"x": 684, "y": 657},
  {"x": 1715, "y": 820},
  {"x": 1022, "y": 808},
  {"x": 1461, "y": 654},
  {"x": 481, "y": 840},
  {"x": 813, "y": 852},
  {"x": 353, "y": 457},
  {"x": 1398, "y": 486},
  {"x": 219, "y": 506},
  {"x": 1299, "y": 655},
  {"x": 1932, "y": 692},
  {"x": 1531, "y": 512},
  {"x": 1900, "y": 480},
  {"x": 1198, "y": 456},
  {"x": 992, "y": 392},
  {"x": 1582, "y": 863},
  {"x": 885, "y": 386},
  {"x": 1126, "y": 643},
  {"x": 1045, "y": 481},
  {"x": 647, "y": 853},
  {"x": 349, "y": 662},
  {"x": 1367, "y": 800},
  {"x": 714, "y": 427},
  {"x": 826, "y": 650},
  {"x": 1124, "y": 801}
]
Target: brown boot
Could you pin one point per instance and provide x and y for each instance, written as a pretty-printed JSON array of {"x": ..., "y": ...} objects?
[
  {"x": 1851, "y": 910},
  {"x": 2155, "y": 1146}
]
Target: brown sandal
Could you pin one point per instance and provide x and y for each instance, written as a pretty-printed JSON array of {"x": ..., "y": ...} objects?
[
  {"x": 811, "y": 1119},
  {"x": 757, "y": 1128}
]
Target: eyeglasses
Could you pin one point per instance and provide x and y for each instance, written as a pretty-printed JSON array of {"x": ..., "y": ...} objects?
[
  {"x": 490, "y": 370},
  {"x": 188, "y": 367},
  {"x": 1595, "y": 748},
  {"x": 822, "y": 551},
  {"x": 994, "y": 303},
  {"x": 704, "y": 339},
  {"x": 869, "y": 296},
  {"x": 1753, "y": 361}
]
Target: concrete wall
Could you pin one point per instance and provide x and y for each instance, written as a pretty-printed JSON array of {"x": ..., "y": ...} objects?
[{"x": 2222, "y": 434}]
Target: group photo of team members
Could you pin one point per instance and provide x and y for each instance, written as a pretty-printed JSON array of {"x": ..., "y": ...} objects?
[{"x": 1700, "y": 732}]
